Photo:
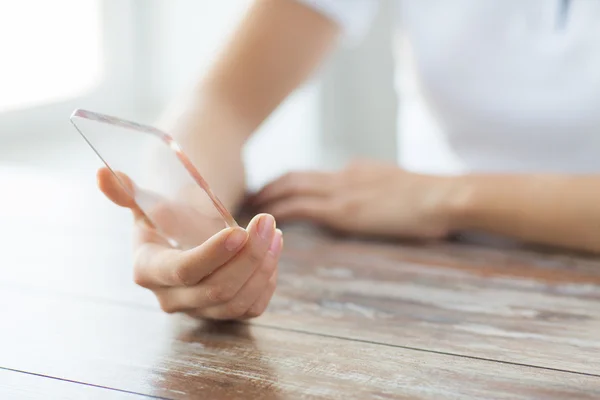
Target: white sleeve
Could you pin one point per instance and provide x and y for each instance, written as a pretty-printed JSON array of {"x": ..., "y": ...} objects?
[{"x": 353, "y": 16}]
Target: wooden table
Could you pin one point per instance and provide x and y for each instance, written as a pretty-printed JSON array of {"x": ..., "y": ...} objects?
[{"x": 351, "y": 319}]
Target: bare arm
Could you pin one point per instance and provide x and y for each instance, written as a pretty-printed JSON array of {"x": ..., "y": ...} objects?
[
  {"x": 230, "y": 274},
  {"x": 558, "y": 210},
  {"x": 276, "y": 47}
]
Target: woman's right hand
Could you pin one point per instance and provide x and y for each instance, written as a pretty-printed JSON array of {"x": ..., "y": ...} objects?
[{"x": 230, "y": 275}]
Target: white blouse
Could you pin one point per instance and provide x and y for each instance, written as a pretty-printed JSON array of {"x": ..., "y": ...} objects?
[{"x": 492, "y": 85}]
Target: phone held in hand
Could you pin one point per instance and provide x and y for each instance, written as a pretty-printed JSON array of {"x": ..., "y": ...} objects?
[{"x": 154, "y": 171}]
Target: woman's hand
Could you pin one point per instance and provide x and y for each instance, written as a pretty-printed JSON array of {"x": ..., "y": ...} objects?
[
  {"x": 230, "y": 275},
  {"x": 365, "y": 198}
]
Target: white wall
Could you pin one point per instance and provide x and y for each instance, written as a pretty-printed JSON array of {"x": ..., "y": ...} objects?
[
  {"x": 347, "y": 110},
  {"x": 358, "y": 101},
  {"x": 155, "y": 49},
  {"x": 114, "y": 94},
  {"x": 183, "y": 39}
]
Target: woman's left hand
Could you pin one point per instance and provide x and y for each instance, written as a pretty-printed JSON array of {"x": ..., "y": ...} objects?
[{"x": 365, "y": 198}]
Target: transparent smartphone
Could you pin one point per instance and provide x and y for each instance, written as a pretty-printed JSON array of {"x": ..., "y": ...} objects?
[{"x": 151, "y": 168}]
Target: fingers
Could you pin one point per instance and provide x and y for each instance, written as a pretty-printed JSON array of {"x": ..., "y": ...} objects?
[
  {"x": 120, "y": 190},
  {"x": 113, "y": 189},
  {"x": 260, "y": 286},
  {"x": 295, "y": 184},
  {"x": 224, "y": 284},
  {"x": 316, "y": 209},
  {"x": 260, "y": 305},
  {"x": 160, "y": 266}
]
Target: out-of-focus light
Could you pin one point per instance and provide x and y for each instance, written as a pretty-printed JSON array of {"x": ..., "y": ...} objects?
[{"x": 38, "y": 60}]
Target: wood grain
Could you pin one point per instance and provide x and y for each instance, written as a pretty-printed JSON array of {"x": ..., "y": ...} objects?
[
  {"x": 18, "y": 385},
  {"x": 351, "y": 318},
  {"x": 516, "y": 306},
  {"x": 147, "y": 352}
]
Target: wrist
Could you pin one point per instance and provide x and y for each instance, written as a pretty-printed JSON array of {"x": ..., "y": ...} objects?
[
  {"x": 459, "y": 199},
  {"x": 474, "y": 199}
]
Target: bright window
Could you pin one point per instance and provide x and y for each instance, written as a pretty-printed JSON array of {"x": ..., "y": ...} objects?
[{"x": 51, "y": 50}]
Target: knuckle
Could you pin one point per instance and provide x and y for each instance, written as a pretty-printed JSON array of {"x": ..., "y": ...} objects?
[
  {"x": 166, "y": 306},
  {"x": 347, "y": 206},
  {"x": 267, "y": 270},
  {"x": 214, "y": 293},
  {"x": 219, "y": 294},
  {"x": 139, "y": 277},
  {"x": 235, "y": 309},
  {"x": 256, "y": 256},
  {"x": 168, "y": 309},
  {"x": 255, "y": 311},
  {"x": 183, "y": 274}
]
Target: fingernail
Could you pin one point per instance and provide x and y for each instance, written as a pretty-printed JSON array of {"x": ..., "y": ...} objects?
[
  {"x": 235, "y": 239},
  {"x": 276, "y": 243},
  {"x": 266, "y": 225}
]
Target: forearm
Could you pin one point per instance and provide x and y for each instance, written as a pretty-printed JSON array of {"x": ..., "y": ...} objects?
[
  {"x": 209, "y": 136},
  {"x": 275, "y": 48},
  {"x": 556, "y": 210}
]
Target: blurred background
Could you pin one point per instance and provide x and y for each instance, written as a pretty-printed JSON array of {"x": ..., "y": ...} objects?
[{"x": 130, "y": 58}]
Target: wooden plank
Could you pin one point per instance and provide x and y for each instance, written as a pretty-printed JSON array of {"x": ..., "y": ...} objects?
[
  {"x": 515, "y": 305},
  {"x": 22, "y": 386},
  {"x": 147, "y": 352}
]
